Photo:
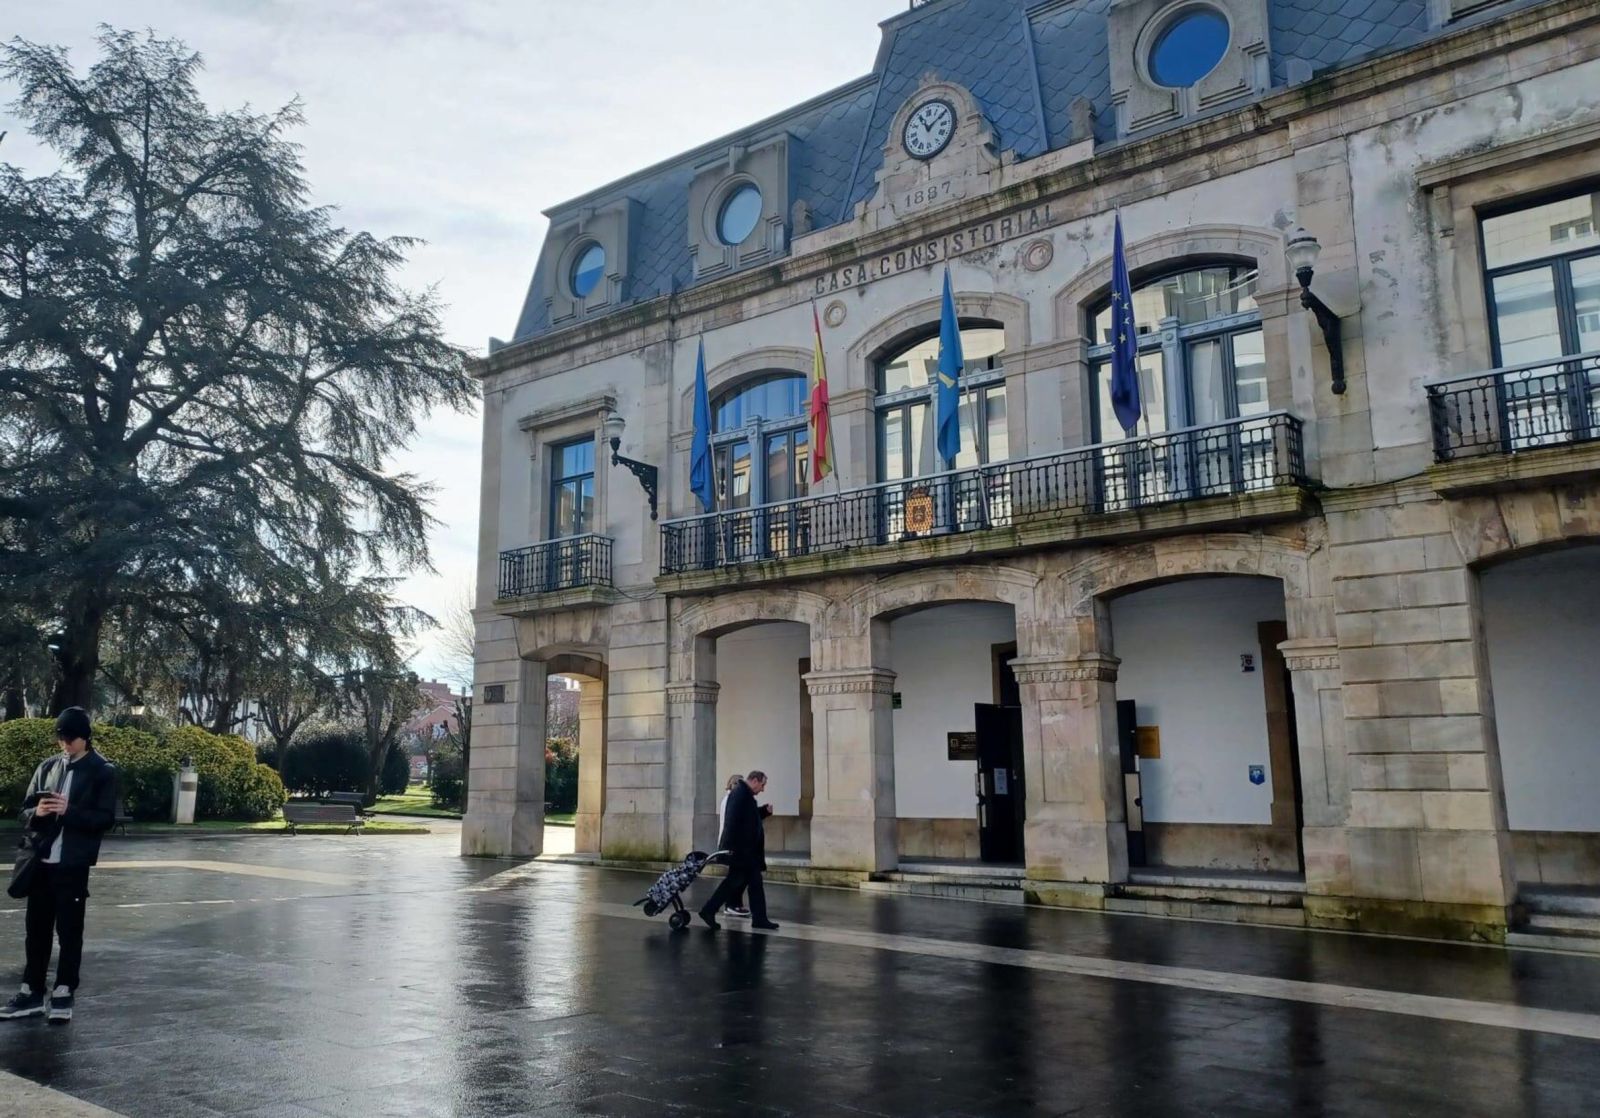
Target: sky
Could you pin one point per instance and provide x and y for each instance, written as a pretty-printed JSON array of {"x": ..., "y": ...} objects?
[{"x": 460, "y": 121}]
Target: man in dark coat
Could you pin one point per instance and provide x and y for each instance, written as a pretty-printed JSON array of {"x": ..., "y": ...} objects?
[
  {"x": 745, "y": 842},
  {"x": 71, "y": 802}
]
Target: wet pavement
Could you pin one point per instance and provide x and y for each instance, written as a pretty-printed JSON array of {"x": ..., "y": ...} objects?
[{"x": 330, "y": 976}]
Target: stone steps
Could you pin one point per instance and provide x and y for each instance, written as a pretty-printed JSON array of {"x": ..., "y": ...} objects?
[
  {"x": 1554, "y": 939},
  {"x": 1561, "y": 902},
  {"x": 953, "y": 889}
]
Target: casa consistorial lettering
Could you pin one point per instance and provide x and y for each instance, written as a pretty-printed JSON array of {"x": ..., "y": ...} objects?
[{"x": 935, "y": 250}]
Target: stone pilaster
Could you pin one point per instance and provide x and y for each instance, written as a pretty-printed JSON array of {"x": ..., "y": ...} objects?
[
  {"x": 591, "y": 766},
  {"x": 692, "y": 767},
  {"x": 1076, "y": 826},
  {"x": 853, "y": 824},
  {"x": 1313, "y": 664},
  {"x": 505, "y": 804}
]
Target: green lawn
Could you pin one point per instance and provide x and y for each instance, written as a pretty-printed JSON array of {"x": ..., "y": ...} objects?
[
  {"x": 273, "y": 826},
  {"x": 561, "y": 819},
  {"x": 415, "y": 800}
]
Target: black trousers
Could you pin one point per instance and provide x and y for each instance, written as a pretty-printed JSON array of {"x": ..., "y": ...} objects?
[
  {"x": 740, "y": 880},
  {"x": 56, "y": 904}
]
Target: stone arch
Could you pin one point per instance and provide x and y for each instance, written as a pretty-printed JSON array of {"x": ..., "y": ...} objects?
[
  {"x": 736, "y": 370},
  {"x": 708, "y": 618},
  {"x": 870, "y": 609},
  {"x": 879, "y": 339},
  {"x": 1196, "y": 242},
  {"x": 582, "y": 632},
  {"x": 1089, "y": 585},
  {"x": 1500, "y": 527},
  {"x": 576, "y": 664}
]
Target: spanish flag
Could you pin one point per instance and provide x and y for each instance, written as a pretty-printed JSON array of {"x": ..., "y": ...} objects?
[{"x": 819, "y": 428}]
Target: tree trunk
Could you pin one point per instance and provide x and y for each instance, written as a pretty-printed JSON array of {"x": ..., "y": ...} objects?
[
  {"x": 79, "y": 655},
  {"x": 16, "y": 700}
]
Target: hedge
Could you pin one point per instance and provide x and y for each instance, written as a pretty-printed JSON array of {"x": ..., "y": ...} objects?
[
  {"x": 232, "y": 784},
  {"x": 327, "y": 760}
]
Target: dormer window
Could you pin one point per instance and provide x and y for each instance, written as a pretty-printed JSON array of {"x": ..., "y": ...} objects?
[
  {"x": 741, "y": 210},
  {"x": 1188, "y": 48},
  {"x": 588, "y": 270}
]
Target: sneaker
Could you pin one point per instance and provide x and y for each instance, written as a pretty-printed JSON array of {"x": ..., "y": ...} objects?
[
  {"x": 60, "y": 1006},
  {"x": 25, "y": 1004},
  {"x": 769, "y": 926},
  {"x": 737, "y": 913},
  {"x": 710, "y": 919}
]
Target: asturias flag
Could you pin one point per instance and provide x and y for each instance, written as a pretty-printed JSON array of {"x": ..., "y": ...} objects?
[
  {"x": 1124, "y": 341},
  {"x": 819, "y": 426},
  {"x": 947, "y": 399},
  {"x": 700, "y": 480}
]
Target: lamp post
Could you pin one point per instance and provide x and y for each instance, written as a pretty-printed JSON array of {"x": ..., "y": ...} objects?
[
  {"x": 647, "y": 474},
  {"x": 1302, "y": 250}
]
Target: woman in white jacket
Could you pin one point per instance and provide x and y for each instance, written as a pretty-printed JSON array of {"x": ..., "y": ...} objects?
[{"x": 735, "y": 906}]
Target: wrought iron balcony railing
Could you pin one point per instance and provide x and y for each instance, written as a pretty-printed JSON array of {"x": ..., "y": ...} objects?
[
  {"x": 1226, "y": 459},
  {"x": 1521, "y": 407},
  {"x": 556, "y": 565}
]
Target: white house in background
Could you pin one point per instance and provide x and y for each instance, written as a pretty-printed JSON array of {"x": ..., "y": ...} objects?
[{"x": 1316, "y": 642}]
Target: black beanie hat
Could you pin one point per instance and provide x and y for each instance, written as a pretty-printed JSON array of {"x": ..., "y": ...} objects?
[{"x": 73, "y": 723}]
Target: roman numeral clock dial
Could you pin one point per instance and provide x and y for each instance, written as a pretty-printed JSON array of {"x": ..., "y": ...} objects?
[{"x": 929, "y": 130}]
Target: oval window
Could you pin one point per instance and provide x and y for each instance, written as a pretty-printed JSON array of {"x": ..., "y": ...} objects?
[
  {"x": 1189, "y": 47},
  {"x": 739, "y": 215},
  {"x": 587, "y": 270}
]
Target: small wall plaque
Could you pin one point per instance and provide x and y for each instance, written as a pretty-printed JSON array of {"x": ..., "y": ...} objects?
[
  {"x": 494, "y": 693},
  {"x": 962, "y": 744},
  {"x": 1147, "y": 742},
  {"x": 1247, "y": 662},
  {"x": 1258, "y": 774},
  {"x": 894, "y": 700}
]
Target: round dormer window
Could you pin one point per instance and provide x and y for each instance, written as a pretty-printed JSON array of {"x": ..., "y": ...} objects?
[
  {"x": 739, "y": 215},
  {"x": 588, "y": 270},
  {"x": 1188, "y": 47}
]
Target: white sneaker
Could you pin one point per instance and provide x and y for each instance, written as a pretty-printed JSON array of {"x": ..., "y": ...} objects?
[
  {"x": 60, "y": 1006},
  {"x": 738, "y": 913}
]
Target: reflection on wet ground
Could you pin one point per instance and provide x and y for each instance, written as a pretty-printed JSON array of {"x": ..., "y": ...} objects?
[{"x": 385, "y": 976}]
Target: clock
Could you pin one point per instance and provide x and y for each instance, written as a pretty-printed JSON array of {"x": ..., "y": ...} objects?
[{"x": 930, "y": 128}]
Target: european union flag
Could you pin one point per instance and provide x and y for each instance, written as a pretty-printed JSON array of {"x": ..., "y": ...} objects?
[
  {"x": 947, "y": 399},
  {"x": 700, "y": 476},
  {"x": 1124, "y": 342}
]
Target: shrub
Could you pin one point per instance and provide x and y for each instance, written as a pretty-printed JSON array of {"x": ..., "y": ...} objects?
[
  {"x": 230, "y": 787},
  {"x": 327, "y": 760},
  {"x": 561, "y": 775},
  {"x": 396, "y": 776},
  {"x": 446, "y": 778}
]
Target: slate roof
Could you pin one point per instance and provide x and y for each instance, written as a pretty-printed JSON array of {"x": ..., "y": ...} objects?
[{"x": 1025, "y": 61}]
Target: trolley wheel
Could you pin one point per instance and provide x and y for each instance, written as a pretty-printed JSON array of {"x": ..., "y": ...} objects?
[{"x": 678, "y": 921}]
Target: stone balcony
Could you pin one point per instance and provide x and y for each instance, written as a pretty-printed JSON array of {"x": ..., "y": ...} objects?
[
  {"x": 555, "y": 575},
  {"x": 1244, "y": 471}
]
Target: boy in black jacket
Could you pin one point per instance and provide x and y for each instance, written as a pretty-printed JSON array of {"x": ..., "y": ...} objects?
[{"x": 71, "y": 802}]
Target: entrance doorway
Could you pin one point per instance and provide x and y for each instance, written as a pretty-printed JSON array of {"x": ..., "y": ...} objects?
[{"x": 1001, "y": 799}]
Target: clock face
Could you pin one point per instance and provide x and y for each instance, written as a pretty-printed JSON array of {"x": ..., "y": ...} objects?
[{"x": 930, "y": 128}]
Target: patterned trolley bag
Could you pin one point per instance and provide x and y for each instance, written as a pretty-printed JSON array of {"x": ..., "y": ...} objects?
[{"x": 668, "y": 890}]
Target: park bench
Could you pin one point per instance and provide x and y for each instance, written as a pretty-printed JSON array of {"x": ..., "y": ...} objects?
[
  {"x": 120, "y": 819},
  {"x": 354, "y": 799},
  {"x": 296, "y": 813}
]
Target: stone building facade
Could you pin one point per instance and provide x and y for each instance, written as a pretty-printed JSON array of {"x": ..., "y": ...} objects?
[{"x": 1344, "y": 570}]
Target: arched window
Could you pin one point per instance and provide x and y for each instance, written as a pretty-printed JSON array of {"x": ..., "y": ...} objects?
[
  {"x": 759, "y": 441},
  {"x": 906, "y": 381},
  {"x": 1201, "y": 359}
]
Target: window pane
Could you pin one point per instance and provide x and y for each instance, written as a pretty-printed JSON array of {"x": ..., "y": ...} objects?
[
  {"x": 1525, "y": 315},
  {"x": 1586, "y": 302},
  {"x": 575, "y": 458},
  {"x": 584, "y": 520},
  {"x": 1207, "y": 385},
  {"x": 891, "y": 437},
  {"x": 967, "y": 456},
  {"x": 915, "y": 367},
  {"x": 1569, "y": 225},
  {"x": 802, "y": 461},
  {"x": 772, "y": 398},
  {"x": 739, "y": 215},
  {"x": 780, "y": 467},
  {"x": 733, "y": 476},
  {"x": 1194, "y": 296},
  {"x": 1152, "y": 395},
  {"x": 999, "y": 435},
  {"x": 1188, "y": 48},
  {"x": 926, "y": 461},
  {"x": 1250, "y": 373}
]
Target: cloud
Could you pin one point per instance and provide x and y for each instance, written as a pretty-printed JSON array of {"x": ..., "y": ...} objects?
[{"x": 460, "y": 122}]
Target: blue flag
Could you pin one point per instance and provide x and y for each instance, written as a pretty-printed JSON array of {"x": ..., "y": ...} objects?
[
  {"x": 947, "y": 400},
  {"x": 1124, "y": 342},
  {"x": 700, "y": 475}
]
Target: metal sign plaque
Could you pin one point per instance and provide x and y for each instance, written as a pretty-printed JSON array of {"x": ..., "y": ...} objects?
[{"x": 919, "y": 512}]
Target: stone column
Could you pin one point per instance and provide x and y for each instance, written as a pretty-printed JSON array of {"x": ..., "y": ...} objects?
[
  {"x": 853, "y": 814},
  {"x": 1076, "y": 828},
  {"x": 692, "y": 768},
  {"x": 591, "y": 765},
  {"x": 1313, "y": 664},
  {"x": 505, "y": 804}
]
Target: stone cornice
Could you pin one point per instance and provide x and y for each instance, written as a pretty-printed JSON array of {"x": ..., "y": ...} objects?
[
  {"x": 579, "y": 409},
  {"x": 1111, "y": 177},
  {"x": 1094, "y": 668},
  {"x": 1311, "y": 654},
  {"x": 875, "y": 681},
  {"x": 686, "y": 692}
]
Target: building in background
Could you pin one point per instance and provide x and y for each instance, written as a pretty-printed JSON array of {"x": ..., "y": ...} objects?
[{"x": 1315, "y": 642}]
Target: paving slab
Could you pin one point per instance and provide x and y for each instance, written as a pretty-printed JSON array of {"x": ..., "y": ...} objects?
[{"x": 343, "y": 976}]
